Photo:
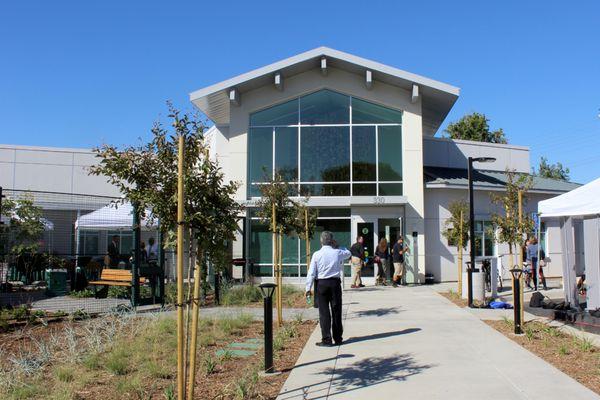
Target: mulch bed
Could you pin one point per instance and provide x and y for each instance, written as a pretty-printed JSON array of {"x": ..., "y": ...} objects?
[
  {"x": 220, "y": 384},
  {"x": 453, "y": 297},
  {"x": 582, "y": 363}
]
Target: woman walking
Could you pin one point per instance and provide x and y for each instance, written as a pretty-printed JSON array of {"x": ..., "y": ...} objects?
[{"x": 382, "y": 255}]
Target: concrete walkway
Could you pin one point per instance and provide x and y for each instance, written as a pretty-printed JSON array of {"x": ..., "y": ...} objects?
[{"x": 413, "y": 343}]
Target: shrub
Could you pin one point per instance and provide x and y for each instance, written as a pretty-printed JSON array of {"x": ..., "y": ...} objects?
[
  {"x": 241, "y": 295},
  {"x": 82, "y": 294},
  {"x": 65, "y": 374},
  {"x": 118, "y": 292}
]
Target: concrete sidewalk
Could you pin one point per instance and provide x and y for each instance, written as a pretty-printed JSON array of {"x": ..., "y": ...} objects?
[{"x": 413, "y": 343}]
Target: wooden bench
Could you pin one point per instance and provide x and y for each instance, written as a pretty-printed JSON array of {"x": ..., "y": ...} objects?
[{"x": 115, "y": 277}]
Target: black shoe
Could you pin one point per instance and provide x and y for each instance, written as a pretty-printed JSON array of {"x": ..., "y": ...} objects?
[
  {"x": 361, "y": 285},
  {"x": 324, "y": 344},
  {"x": 339, "y": 342}
]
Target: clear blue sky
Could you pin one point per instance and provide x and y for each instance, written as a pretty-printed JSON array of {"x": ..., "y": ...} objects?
[{"x": 81, "y": 73}]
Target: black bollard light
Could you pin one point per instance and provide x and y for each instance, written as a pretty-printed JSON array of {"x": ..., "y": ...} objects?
[
  {"x": 267, "y": 290},
  {"x": 516, "y": 275},
  {"x": 469, "y": 284}
]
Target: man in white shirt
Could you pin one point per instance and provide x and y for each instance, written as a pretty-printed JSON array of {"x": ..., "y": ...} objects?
[{"x": 325, "y": 268}]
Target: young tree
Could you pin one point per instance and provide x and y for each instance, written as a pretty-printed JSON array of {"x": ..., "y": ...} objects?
[
  {"x": 509, "y": 229},
  {"x": 281, "y": 213},
  {"x": 148, "y": 175},
  {"x": 475, "y": 127},
  {"x": 457, "y": 232},
  {"x": 552, "y": 171}
]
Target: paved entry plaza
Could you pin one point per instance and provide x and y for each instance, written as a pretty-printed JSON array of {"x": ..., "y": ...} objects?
[{"x": 412, "y": 343}]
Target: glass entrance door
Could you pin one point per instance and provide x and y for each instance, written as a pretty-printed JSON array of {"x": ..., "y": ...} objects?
[{"x": 367, "y": 231}]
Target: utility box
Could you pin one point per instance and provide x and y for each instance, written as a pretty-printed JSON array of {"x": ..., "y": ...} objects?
[{"x": 56, "y": 282}]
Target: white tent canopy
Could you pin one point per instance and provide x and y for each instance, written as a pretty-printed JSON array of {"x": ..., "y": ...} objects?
[
  {"x": 113, "y": 217},
  {"x": 579, "y": 205},
  {"x": 584, "y": 200}
]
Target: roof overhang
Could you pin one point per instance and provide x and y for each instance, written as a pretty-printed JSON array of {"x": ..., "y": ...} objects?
[{"x": 437, "y": 98}]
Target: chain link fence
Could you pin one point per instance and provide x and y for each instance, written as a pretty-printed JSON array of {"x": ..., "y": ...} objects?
[{"x": 75, "y": 253}]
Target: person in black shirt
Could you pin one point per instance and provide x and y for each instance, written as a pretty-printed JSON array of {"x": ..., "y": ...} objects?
[
  {"x": 358, "y": 255},
  {"x": 113, "y": 251},
  {"x": 398, "y": 259}
]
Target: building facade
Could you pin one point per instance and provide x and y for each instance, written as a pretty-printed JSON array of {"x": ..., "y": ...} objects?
[{"x": 358, "y": 137}]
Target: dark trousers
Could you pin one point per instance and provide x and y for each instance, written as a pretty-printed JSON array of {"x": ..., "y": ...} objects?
[{"x": 329, "y": 292}]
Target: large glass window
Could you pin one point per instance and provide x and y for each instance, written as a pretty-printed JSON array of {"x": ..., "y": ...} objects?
[
  {"x": 315, "y": 166},
  {"x": 324, "y": 107},
  {"x": 335, "y": 220},
  {"x": 484, "y": 234},
  {"x": 286, "y": 153},
  {"x": 328, "y": 144}
]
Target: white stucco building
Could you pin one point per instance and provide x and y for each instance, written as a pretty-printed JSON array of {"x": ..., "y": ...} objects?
[{"x": 359, "y": 137}]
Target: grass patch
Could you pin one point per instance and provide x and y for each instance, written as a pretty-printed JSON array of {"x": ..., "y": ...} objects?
[
  {"x": 241, "y": 295},
  {"x": 64, "y": 374}
]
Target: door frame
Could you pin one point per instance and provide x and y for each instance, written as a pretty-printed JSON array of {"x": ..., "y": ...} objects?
[{"x": 372, "y": 215}]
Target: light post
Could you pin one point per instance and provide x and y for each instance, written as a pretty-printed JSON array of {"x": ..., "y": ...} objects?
[
  {"x": 516, "y": 276},
  {"x": 472, "y": 226},
  {"x": 267, "y": 290}
]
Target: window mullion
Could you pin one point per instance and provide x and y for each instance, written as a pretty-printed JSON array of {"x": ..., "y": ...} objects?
[{"x": 377, "y": 160}]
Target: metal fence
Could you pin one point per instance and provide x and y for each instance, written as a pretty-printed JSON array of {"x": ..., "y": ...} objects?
[{"x": 79, "y": 242}]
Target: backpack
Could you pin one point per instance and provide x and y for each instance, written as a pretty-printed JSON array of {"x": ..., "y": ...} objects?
[{"x": 537, "y": 300}]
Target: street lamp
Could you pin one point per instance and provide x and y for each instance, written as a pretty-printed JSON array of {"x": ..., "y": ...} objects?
[
  {"x": 267, "y": 290},
  {"x": 516, "y": 276},
  {"x": 472, "y": 225}
]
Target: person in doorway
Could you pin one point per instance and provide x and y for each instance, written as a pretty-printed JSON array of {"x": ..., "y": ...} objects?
[
  {"x": 532, "y": 259},
  {"x": 382, "y": 256},
  {"x": 325, "y": 272},
  {"x": 358, "y": 256},
  {"x": 152, "y": 250},
  {"x": 113, "y": 251},
  {"x": 398, "y": 259}
]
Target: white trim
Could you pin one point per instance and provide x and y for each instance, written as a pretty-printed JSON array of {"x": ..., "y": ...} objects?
[{"x": 323, "y": 53}]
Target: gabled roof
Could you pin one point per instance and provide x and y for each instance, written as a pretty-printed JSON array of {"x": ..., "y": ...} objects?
[
  {"x": 436, "y": 177},
  {"x": 437, "y": 97}
]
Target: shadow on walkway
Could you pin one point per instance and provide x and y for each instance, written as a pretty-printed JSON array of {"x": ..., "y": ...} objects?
[
  {"x": 367, "y": 372},
  {"x": 382, "y": 335},
  {"x": 318, "y": 362},
  {"x": 372, "y": 371},
  {"x": 378, "y": 312}
]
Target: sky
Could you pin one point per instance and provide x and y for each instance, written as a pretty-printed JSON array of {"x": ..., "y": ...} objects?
[{"x": 83, "y": 73}]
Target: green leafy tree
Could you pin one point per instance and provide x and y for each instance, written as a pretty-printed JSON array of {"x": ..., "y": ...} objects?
[
  {"x": 456, "y": 234},
  {"x": 509, "y": 229},
  {"x": 552, "y": 171},
  {"x": 23, "y": 232},
  {"x": 146, "y": 174},
  {"x": 475, "y": 127}
]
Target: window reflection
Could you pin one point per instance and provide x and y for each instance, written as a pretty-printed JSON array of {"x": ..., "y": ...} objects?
[{"x": 339, "y": 159}]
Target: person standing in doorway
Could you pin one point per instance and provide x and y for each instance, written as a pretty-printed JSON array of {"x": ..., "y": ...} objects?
[
  {"x": 358, "y": 256},
  {"x": 398, "y": 259},
  {"x": 382, "y": 255},
  {"x": 325, "y": 272}
]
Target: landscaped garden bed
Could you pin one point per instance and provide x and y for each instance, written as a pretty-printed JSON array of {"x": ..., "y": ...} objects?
[
  {"x": 575, "y": 356},
  {"x": 134, "y": 356}
]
